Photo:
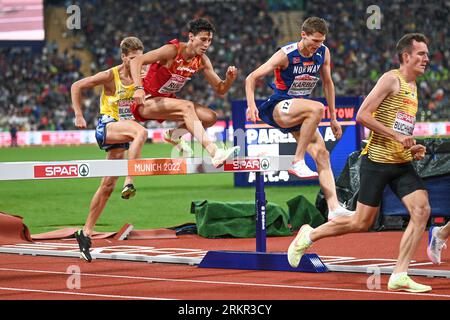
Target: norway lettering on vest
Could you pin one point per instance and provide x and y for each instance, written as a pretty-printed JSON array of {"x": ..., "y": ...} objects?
[{"x": 302, "y": 74}]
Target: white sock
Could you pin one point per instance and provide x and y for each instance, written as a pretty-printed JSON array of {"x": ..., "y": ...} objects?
[{"x": 310, "y": 242}]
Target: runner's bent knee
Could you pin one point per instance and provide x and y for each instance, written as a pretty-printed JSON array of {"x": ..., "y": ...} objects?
[
  {"x": 319, "y": 109},
  {"x": 209, "y": 120},
  {"x": 142, "y": 132},
  {"x": 420, "y": 212},
  {"x": 141, "y": 135}
]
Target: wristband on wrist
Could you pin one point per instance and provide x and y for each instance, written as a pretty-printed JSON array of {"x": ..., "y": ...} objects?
[{"x": 138, "y": 88}]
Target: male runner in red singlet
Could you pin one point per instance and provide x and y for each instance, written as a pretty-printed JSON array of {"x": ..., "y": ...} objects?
[{"x": 172, "y": 65}]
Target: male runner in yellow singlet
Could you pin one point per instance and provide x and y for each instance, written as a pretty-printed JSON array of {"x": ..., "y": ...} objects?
[
  {"x": 389, "y": 111},
  {"x": 115, "y": 130}
]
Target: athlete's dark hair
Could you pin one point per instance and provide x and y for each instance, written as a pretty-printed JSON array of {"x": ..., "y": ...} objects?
[
  {"x": 315, "y": 24},
  {"x": 405, "y": 43},
  {"x": 198, "y": 25}
]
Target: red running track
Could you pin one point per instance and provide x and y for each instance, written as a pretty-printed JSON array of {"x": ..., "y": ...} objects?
[{"x": 46, "y": 278}]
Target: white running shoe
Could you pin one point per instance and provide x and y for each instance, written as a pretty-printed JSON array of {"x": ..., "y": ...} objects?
[
  {"x": 405, "y": 283},
  {"x": 435, "y": 245},
  {"x": 223, "y": 154},
  {"x": 180, "y": 144},
  {"x": 301, "y": 170},
  {"x": 299, "y": 245},
  {"x": 340, "y": 212}
]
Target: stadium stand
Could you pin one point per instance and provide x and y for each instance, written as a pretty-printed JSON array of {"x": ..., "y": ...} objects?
[
  {"x": 35, "y": 83},
  {"x": 360, "y": 54}
]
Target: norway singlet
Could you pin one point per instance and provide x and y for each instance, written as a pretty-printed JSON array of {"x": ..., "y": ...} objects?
[{"x": 296, "y": 81}]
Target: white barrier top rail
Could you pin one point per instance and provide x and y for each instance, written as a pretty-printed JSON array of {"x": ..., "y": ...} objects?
[{"x": 141, "y": 167}]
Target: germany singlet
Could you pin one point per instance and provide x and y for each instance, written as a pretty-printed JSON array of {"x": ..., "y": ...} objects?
[
  {"x": 118, "y": 105},
  {"x": 397, "y": 112}
]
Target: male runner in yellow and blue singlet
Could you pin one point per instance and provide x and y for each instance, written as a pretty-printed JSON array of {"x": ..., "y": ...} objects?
[{"x": 115, "y": 130}]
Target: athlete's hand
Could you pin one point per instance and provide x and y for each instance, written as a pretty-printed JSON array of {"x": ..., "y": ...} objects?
[
  {"x": 80, "y": 123},
  {"x": 139, "y": 96},
  {"x": 231, "y": 73},
  {"x": 252, "y": 114},
  {"x": 418, "y": 151},
  {"x": 406, "y": 141},
  {"x": 336, "y": 128}
]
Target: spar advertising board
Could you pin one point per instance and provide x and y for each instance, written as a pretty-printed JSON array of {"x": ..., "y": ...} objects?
[{"x": 264, "y": 140}]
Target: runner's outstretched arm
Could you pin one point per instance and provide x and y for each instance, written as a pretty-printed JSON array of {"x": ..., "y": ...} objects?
[
  {"x": 219, "y": 85},
  {"x": 100, "y": 78},
  {"x": 329, "y": 92},
  {"x": 279, "y": 59}
]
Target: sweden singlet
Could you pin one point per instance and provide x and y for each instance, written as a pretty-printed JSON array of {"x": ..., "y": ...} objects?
[{"x": 118, "y": 105}]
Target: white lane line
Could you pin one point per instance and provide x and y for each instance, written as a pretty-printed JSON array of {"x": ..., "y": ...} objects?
[
  {"x": 232, "y": 283},
  {"x": 81, "y": 294}
]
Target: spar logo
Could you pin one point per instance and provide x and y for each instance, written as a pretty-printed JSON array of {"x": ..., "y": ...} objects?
[
  {"x": 265, "y": 164},
  {"x": 61, "y": 171},
  {"x": 247, "y": 165}
]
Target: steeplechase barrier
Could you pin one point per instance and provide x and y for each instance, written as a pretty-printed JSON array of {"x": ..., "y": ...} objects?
[{"x": 257, "y": 260}]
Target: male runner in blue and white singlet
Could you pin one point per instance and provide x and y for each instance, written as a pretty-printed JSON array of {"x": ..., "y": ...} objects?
[{"x": 297, "y": 67}]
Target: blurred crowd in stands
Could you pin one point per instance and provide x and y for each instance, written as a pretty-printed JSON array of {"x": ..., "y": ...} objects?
[
  {"x": 35, "y": 84},
  {"x": 360, "y": 55},
  {"x": 35, "y": 88}
]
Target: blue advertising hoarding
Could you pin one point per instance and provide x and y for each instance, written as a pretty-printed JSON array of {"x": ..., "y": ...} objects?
[{"x": 262, "y": 139}]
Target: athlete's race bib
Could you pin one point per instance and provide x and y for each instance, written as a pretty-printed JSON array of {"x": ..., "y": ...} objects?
[
  {"x": 404, "y": 123},
  {"x": 125, "y": 110},
  {"x": 303, "y": 85},
  {"x": 174, "y": 84}
]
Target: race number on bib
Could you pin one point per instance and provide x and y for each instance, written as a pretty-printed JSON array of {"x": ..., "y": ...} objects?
[
  {"x": 404, "y": 123},
  {"x": 125, "y": 110},
  {"x": 303, "y": 85},
  {"x": 174, "y": 84}
]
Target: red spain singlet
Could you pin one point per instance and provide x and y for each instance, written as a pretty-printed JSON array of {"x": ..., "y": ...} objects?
[{"x": 162, "y": 81}]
